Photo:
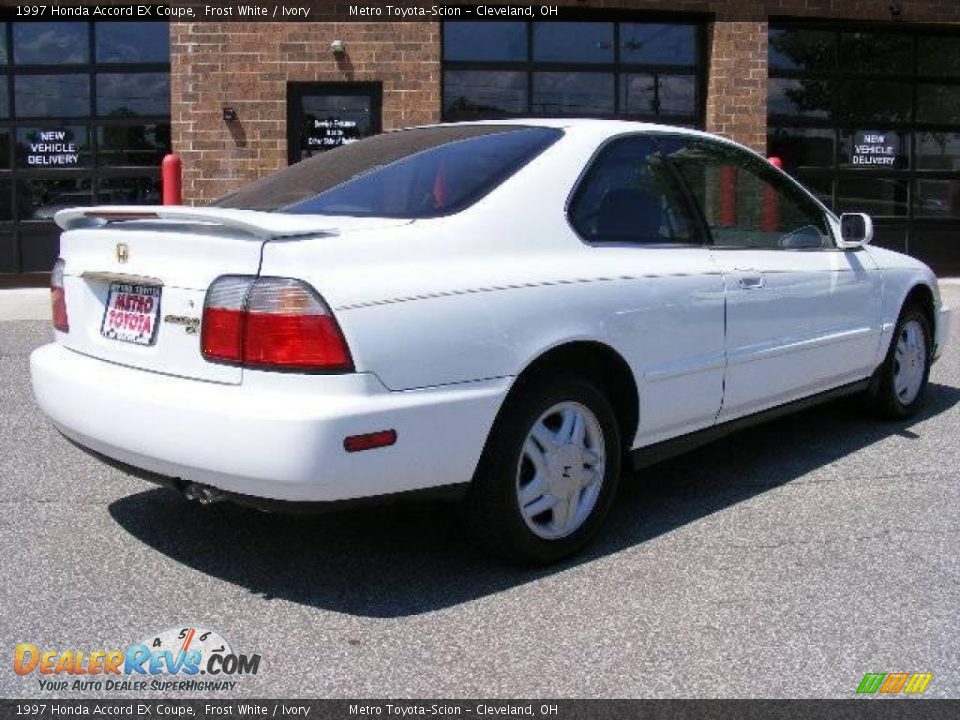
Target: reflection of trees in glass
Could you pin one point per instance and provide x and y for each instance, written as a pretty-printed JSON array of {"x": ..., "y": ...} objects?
[
  {"x": 463, "y": 107},
  {"x": 938, "y": 103},
  {"x": 876, "y": 52},
  {"x": 808, "y": 97},
  {"x": 40, "y": 199},
  {"x": 129, "y": 191},
  {"x": 803, "y": 50},
  {"x": 133, "y": 144},
  {"x": 938, "y": 150}
]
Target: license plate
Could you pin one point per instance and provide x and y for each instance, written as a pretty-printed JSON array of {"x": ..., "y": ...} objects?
[{"x": 132, "y": 313}]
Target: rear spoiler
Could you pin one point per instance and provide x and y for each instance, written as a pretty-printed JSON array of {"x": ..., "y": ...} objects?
[{"x": 258, "y": 224}]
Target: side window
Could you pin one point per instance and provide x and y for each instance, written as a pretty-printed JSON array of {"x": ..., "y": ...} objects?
[
  {"x": 629, "y": 195},
  {"x": 745, "y": 203}
]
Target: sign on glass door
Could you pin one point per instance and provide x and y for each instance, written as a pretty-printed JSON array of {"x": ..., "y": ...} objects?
[{"x": 323, "y": 116}]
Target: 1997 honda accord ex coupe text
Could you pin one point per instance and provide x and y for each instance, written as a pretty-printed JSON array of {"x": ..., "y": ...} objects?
[{"x": 511, "y": 309}]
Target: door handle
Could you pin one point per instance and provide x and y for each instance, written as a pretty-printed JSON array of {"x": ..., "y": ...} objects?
[{"x": 750, "y": 279}]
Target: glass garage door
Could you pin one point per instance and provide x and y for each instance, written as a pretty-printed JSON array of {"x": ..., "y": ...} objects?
[
  {"x": 870, "y": 120},
  {"x": 84, "y": 119},
  {"x": 644, "y": 70}
]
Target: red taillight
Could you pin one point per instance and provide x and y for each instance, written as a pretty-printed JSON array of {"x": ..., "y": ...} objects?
[
  {"x": 58, "y": 298},
  {"x": 269, "y": 322}
]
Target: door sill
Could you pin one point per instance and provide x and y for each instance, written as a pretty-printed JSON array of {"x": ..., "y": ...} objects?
[{"x": 658, "y": 452}]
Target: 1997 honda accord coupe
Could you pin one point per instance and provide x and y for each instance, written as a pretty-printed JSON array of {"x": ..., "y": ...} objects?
[{"x": 506, "y": 308}]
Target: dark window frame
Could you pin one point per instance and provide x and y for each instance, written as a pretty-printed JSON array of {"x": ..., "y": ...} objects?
[{"x": 616, "y": 68}]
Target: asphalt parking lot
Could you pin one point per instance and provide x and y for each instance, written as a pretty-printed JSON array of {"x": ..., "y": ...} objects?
[{"x": 786, "y": 561}]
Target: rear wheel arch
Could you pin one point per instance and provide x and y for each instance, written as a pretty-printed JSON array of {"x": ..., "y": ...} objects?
[{"x": 599, "y": 363}]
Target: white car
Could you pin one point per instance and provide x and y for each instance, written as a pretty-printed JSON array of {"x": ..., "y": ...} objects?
[{"x": 508, "y": 309}]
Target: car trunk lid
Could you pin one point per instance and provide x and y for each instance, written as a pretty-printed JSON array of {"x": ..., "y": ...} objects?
[{"x": 135, "y": 278}]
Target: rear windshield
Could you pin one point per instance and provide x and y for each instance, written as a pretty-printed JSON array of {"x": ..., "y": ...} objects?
[{"x": 413, "y": 174}]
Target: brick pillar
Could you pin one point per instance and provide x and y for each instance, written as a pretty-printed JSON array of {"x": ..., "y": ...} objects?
[{"x": 737, "y": 84}]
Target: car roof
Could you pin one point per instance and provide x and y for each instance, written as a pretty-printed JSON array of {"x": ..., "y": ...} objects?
[{"x": 597, "y": 127}]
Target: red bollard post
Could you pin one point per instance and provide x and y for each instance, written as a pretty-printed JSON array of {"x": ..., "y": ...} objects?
[
  {"x": 171, "y": 184},
  {"x": 728, "y": 196},
  {"x": 770, "y": 213}
]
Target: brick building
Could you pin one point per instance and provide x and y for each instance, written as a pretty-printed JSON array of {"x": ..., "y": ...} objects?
[{"x": 811, "y": 81}]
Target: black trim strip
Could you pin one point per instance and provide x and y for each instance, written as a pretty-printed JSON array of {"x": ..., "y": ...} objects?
[{"x": 658, "y": 452}]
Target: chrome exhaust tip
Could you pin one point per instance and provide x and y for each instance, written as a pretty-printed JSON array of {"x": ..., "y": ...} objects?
[{"x": 202, "y": 494}]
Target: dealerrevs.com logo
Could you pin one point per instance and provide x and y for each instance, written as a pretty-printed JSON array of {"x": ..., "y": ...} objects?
[
  {"x": 185, "y": 659},
  {"x": 894, "y": 683}
]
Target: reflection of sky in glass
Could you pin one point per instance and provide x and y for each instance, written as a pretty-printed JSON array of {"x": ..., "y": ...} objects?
[
  {"x": 54, "y": 95},
  {"x": 656, "y": 43},
  {"x": 133, "y": 42},
  {"x": 3, "y": 42},
  {"x": 50, "y": 43},
  {"x": 573, "y": 42},
  {"x": 572, "y": 92},
  {"x": 4, "y": 100},
  {"x": 497, "y": 41},
  {"x": 137, "y": 93},
  {"x": 677, "y": 94}
]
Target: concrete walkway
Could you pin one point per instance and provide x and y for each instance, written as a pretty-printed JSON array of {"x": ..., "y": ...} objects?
[{"x": 25, "y": 304}]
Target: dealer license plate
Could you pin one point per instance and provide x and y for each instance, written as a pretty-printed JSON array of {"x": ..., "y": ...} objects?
[{"x": 132, "y": 314}]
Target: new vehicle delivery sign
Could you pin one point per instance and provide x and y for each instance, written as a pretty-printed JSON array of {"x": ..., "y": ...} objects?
[
  {"x": 875, "y": 149},
  {"x": 52, "y": 148}
]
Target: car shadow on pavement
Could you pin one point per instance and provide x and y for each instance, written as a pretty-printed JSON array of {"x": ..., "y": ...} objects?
[{"x": 397, "y": 561}]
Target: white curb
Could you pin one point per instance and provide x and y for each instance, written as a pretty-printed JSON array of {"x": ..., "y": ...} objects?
[{"x": 25, "y": 304}]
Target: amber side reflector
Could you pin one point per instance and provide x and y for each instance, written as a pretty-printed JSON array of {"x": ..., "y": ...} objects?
[{"x": 356, "y": 443}]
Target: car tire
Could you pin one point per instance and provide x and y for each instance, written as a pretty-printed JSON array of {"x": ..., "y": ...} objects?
[
  {"x": 897, "y": 388},
  {"x": 549, "y": 472}
]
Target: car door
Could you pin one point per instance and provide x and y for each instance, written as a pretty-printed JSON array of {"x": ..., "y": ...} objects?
[
  {"x": 802, "y": 316},
  {"x": 665, "y": 312}
]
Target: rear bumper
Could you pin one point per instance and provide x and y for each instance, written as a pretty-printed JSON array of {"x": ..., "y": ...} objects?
[
  {"x": 276, "y": 436},
  {"x": 943, "y": 331}
]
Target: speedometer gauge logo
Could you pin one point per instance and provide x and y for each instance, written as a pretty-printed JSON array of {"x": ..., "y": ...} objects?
[{"x": 202, "y": 642}]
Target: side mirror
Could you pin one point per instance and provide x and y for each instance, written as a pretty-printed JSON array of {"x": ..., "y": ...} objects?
[{"x": 856, "y": 230}]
